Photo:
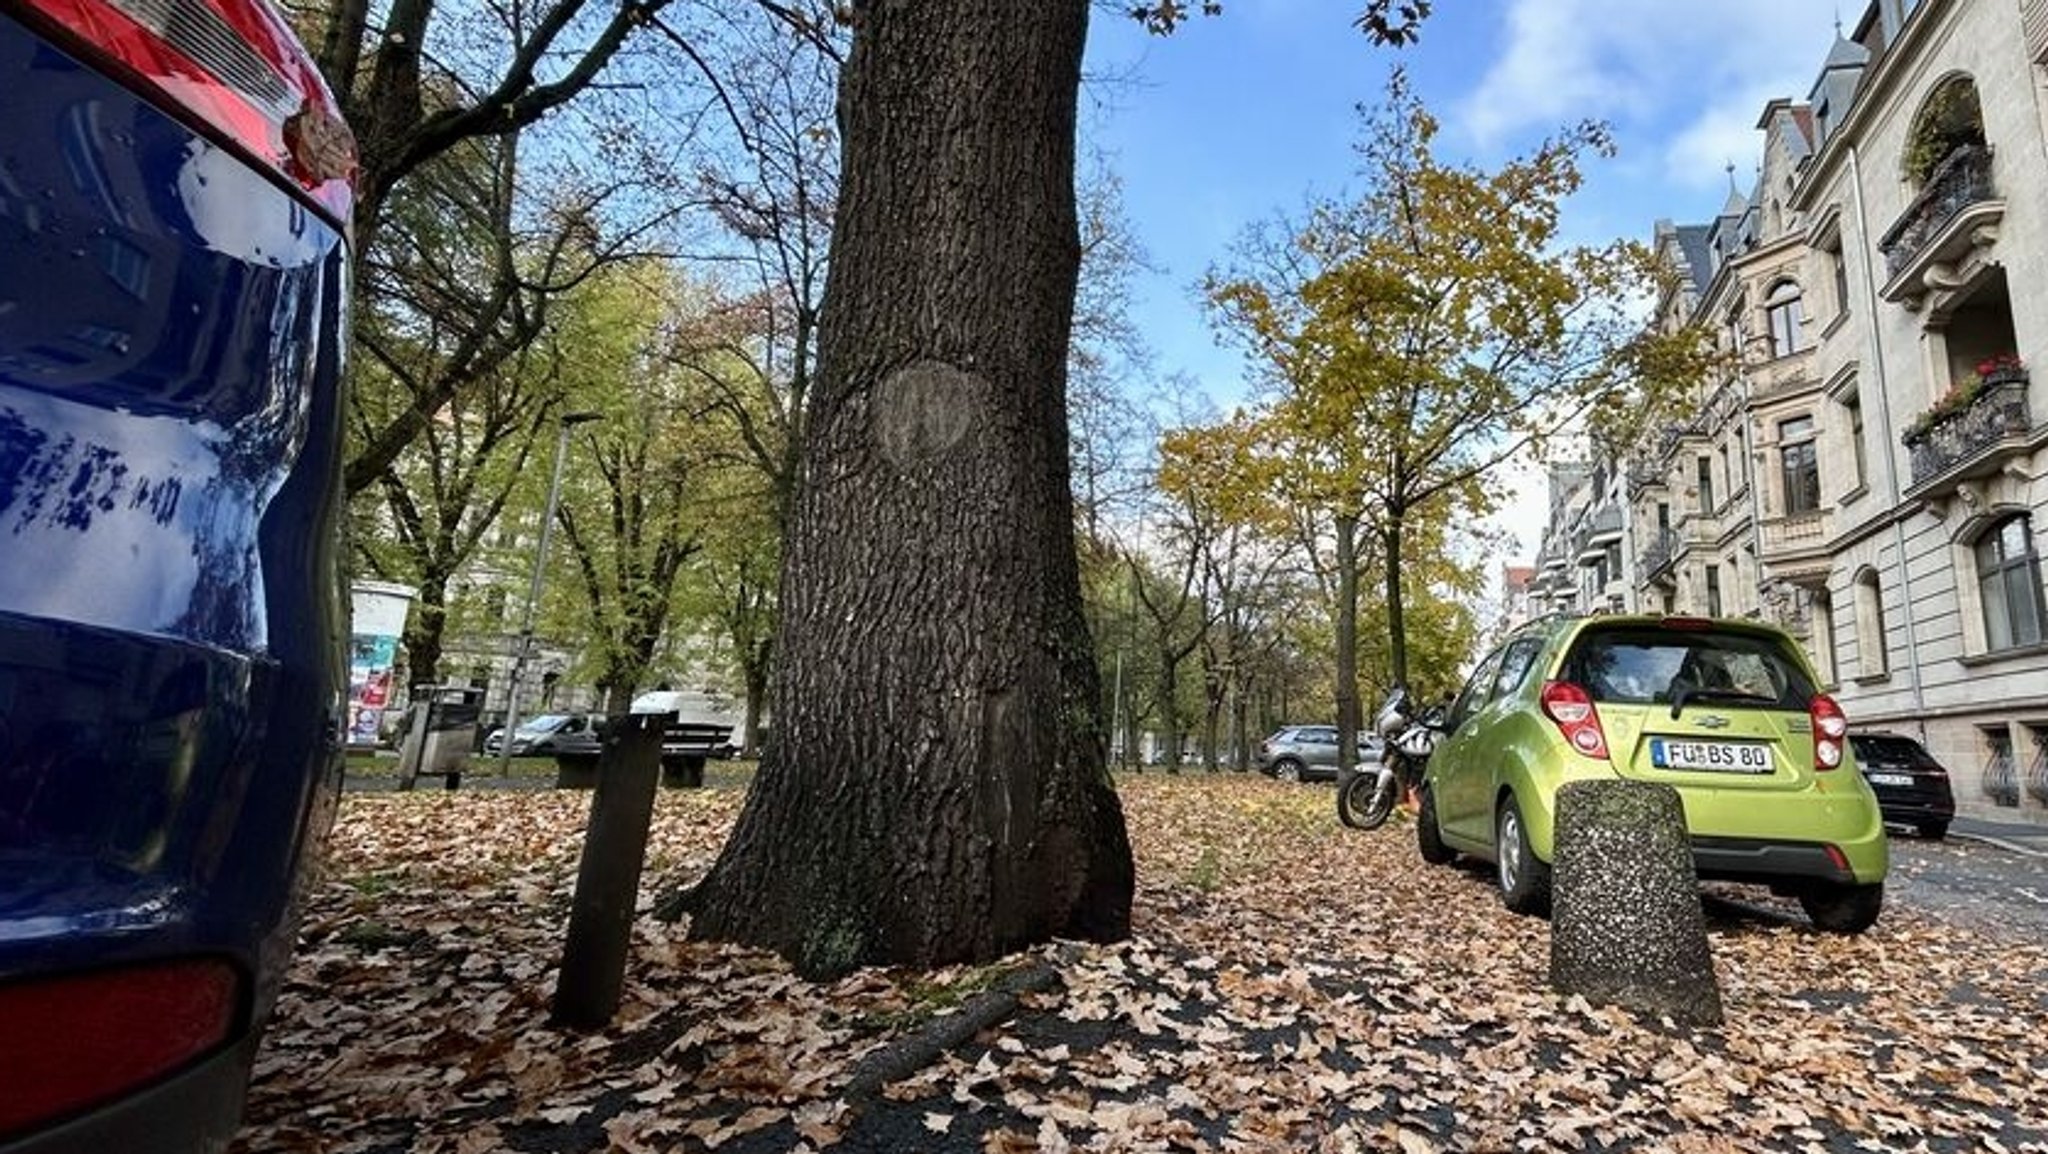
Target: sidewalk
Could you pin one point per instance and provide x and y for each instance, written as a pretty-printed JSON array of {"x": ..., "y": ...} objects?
[{"x": 2030, "y": 838}]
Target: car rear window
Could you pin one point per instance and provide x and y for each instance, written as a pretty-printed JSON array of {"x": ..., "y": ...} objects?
[
  {"x": 1892, "y": 750},
  {"x": 1643, "y": 665}
]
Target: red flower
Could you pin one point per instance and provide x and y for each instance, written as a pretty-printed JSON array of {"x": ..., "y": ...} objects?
[{"x": 2003, "y": 362}]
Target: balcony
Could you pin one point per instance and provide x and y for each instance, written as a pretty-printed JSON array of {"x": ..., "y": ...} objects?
[
  {"x": 1795, "y": 533},
  {"x": 1957, "y": 212},
  {"x": 1644, "y": 474},
  {"x": 1974, "y": 438},
  {"x": 1601, "y": 528},
  {"x": 1656, "y": 560}
]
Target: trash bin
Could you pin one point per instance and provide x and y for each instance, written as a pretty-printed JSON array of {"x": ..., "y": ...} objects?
[{"x": 440, "y": 734}]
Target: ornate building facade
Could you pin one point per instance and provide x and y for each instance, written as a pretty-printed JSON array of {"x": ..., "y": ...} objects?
[{"x": 1871, "y": 471}]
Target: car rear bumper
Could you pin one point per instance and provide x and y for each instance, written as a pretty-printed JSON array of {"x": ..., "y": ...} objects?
[
  {"x": 199, "y": 1108},
  {"x": 1748, "y": 859},
  {"x": 1913, "y": 807}
]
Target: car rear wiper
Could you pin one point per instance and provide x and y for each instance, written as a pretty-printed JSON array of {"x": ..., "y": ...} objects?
[{"x": 1685, "y": 693}]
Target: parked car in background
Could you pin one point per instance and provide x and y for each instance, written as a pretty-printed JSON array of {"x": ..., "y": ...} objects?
[
  {"x": 549, "y": 734},
  {"x": 1725, "y": 711},
  {"x": 175, "y": 198},
  {"x": 1309, "y": 753},
  {"x": 1912, "y": 788}
]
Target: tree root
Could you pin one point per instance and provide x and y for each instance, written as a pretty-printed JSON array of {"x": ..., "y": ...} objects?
[{"x": 909, "y": 1054}]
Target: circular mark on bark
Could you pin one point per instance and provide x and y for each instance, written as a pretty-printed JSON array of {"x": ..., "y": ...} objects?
[{"x": 924, "y": 409}]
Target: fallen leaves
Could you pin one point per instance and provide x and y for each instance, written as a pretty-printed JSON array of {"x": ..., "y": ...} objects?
[{"x": 1289, "y": 985}]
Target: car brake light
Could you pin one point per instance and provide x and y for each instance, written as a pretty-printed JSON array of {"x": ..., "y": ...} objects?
[
  {"x": 1689, "y": 624},
  {"x": 1830, "y": 729},
  {"x": 66, "y": 1043},
  {"x": 234, "y": 70},
  {"x": 1571, "y": 707}
]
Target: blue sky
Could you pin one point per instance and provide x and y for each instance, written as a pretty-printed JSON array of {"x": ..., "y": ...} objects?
[{"x": 1239, "y": 117}]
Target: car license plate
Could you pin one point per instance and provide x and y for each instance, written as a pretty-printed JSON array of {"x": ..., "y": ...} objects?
[
  {"x": 1713, "y": 756},
  {"x": 1900, "y": 779}
]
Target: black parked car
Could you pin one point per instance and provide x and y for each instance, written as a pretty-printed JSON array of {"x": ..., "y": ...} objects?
[{"x": 1912, "y": 788}]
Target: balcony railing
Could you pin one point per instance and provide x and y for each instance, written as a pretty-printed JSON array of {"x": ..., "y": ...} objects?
[
  {"x": 1963, "y": 178},
  {"x": 1998, "y": 411}
]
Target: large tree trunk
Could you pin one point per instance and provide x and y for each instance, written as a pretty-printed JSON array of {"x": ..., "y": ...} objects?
[
  {"x": 426, "y": 629},
  {"x": 1397, "y": 626},
  {"x": 1347, "y": 647},
  {"x": 935, "y": 789}
]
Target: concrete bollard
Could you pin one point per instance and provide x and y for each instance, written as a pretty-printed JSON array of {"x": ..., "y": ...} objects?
[{"x": 1626, "y": 927}]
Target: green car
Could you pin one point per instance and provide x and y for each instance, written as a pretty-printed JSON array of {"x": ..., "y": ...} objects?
[{"x": 1725, "y": 711}]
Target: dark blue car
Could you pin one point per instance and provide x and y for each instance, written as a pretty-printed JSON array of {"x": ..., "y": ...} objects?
[{"x": 175, "y": 188}]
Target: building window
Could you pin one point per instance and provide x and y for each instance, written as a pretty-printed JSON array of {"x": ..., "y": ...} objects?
[
  {"x": 1706, "y": 478},
  {"x": 1854, "y": 403},
  {"x": 1839, "y": 268},
  {"x": 1713, "y": 590},
  {"x": 2009, "y": 582},
  {"x": 1824, "y": 636},
  {"x": 1798, "y": 466},
  {"x": 1781, "y": 309},
  {"x": 2001, "y": 773},
  {"x": 1871, "y": 658}
]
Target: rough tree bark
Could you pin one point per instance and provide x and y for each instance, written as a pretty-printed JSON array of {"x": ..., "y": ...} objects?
[{"x": 934, "y": 790}]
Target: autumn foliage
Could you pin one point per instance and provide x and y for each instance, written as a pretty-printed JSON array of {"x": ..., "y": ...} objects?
[{"x": 1288, "y": 985}]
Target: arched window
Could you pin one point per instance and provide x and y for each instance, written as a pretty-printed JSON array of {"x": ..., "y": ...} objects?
[
  {"x": 1950, "y": 120},
  {"x": 2009, "y": 584},
  {"x": 1781, "y": 310},
  {"x": 1871, "y": 658}
]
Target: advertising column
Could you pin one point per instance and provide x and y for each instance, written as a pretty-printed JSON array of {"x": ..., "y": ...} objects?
[{"x": 379, "y": 621}]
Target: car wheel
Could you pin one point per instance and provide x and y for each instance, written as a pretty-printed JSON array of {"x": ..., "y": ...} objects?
[
  {"x": 1524, "y": 879},
  {"x": 1842, "y": 909},
  {"x": 1428, "y": 838},
  {"x": 1287, "y": 769},
  {"x": 1933, "y": 830}
]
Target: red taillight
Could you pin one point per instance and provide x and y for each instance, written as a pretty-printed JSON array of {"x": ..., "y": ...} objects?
[
  {"x": 1830, "y": 729},
  {"x": 1689, "y": 624},
  {"x": 1571, "y": 707},
  {"x": 233, "y": 68},
  {"x": 67, "y": 1043}
]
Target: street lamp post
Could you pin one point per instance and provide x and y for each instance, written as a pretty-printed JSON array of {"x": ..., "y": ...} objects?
[{"x": 540, "y": 560}]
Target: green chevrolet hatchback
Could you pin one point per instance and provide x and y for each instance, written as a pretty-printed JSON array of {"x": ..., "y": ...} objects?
[{"x": 1725, "y": 711}]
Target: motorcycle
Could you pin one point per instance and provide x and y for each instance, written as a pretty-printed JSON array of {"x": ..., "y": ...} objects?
[{"x": 1368, "y": 799}]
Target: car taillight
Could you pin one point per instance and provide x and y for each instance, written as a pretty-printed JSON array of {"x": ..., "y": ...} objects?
[
  {"x": 67, "y": 1043},
  {"x": 1830, "y": 726},
  {"x": 1571, "y": 707},
  {"x": 233, "y": 69}
]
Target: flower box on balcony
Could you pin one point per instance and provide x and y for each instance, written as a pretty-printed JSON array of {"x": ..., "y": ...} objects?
[{"x": 1968, "y": 424}]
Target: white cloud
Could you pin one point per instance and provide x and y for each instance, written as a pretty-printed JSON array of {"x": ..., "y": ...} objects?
[{"x": 1684, "y": 80}]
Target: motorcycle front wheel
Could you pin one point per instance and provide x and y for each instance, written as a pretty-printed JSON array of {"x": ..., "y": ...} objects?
[{"x": 1362, "y": 804}]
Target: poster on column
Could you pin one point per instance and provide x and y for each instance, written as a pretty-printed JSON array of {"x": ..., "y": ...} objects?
[{"x": 379, "y": 609}]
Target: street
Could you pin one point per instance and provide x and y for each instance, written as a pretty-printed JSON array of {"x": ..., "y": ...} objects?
[{"x": 1972, "y": 885}]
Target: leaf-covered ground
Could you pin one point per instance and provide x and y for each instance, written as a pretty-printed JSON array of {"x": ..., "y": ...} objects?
[{"x": 1290, "y": 985}]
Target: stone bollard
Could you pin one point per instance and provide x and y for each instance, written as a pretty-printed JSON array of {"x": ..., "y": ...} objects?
[{"x": 1625, "y": 925}]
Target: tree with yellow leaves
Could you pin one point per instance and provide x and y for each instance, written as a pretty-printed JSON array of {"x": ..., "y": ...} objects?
[{"x": 1414, "y": 339}]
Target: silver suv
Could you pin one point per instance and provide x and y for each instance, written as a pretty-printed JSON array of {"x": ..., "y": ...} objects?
[{"x": 1309, "y": 753}]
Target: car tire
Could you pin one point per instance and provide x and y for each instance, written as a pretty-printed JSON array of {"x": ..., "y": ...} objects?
[
  {"x": 1933, "y": 830},
  {"x": 1524, "y": 880},
  {"x": 1429, "y": 840},
  {"x": 1287, "y": 769},
  {"x": 1841, "y": 908}
]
